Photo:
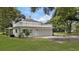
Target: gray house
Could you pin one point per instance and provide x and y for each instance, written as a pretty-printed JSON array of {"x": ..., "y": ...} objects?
[{"x": 35, "y": 28}]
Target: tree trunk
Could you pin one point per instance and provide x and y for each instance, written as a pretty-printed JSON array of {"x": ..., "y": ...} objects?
[{"x": 69, "y": 26}]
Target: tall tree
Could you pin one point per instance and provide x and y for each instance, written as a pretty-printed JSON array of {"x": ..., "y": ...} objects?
[
  {"x": 67, "y": 16},
  {"x": 7, "y": 14}
]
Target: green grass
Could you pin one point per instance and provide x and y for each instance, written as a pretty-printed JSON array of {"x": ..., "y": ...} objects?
[{"x": 31, "y": 44}]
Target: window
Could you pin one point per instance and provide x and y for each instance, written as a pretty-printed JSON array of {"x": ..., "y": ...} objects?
[
  {"x": 16, "y": 30},
  {"x": 24, "y": 30}
]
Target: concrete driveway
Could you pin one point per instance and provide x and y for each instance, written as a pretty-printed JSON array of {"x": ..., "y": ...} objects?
[{"x": 61, "y": 37}]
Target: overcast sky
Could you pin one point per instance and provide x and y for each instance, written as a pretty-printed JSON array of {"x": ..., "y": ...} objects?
[{"x": 38, "y": 15}]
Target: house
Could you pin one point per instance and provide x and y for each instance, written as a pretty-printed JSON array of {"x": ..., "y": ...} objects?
[
  {"x": 73, "y": 28},
  {"x": 35, "y": 28}
]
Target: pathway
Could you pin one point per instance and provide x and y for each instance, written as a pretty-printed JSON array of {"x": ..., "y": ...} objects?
[{"x": 61, "y": 37}]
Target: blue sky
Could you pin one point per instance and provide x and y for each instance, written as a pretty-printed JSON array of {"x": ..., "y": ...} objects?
[{"x": 38, "y": 15}]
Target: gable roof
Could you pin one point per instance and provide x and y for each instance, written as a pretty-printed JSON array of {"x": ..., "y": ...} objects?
[{"x": 30, "y": 20}]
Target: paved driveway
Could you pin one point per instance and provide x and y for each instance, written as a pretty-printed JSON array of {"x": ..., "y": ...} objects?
[{"x": 61, "y": 37}]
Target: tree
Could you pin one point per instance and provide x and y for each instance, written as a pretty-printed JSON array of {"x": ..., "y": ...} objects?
[
  {"x": 58, "y": 24},
  {"x": 20, "y": 17},
  {"x": 7, "y": 14},
  {"x": 67, "y": 17},
  {"x": 46, "y": 10}
]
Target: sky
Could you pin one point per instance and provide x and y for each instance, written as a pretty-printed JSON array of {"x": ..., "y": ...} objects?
[{"x": 38, "y": 15}]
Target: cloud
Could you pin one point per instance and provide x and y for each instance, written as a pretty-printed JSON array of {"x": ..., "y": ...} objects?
[{"x": 44, "y": 19}]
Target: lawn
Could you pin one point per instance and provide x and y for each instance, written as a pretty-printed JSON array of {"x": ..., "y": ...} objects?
[{"x": 31, "y": 44}]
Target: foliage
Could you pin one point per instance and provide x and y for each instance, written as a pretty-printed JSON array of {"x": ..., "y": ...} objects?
[
  {"x": 46, "y": 10},
  {"x": 27, "y": 32},
  {"x": 58, "y": 24},
  {"x": 20, "y": 17},
  {"x": 7, "y": 14},
  {"x": 64, "y": 18}
]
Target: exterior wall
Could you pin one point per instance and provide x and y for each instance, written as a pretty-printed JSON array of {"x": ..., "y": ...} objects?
[
  {"x": 42, "y": 32},
  {"x": 35, "y": 32},
  {"x": 16, "y": 33}
]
